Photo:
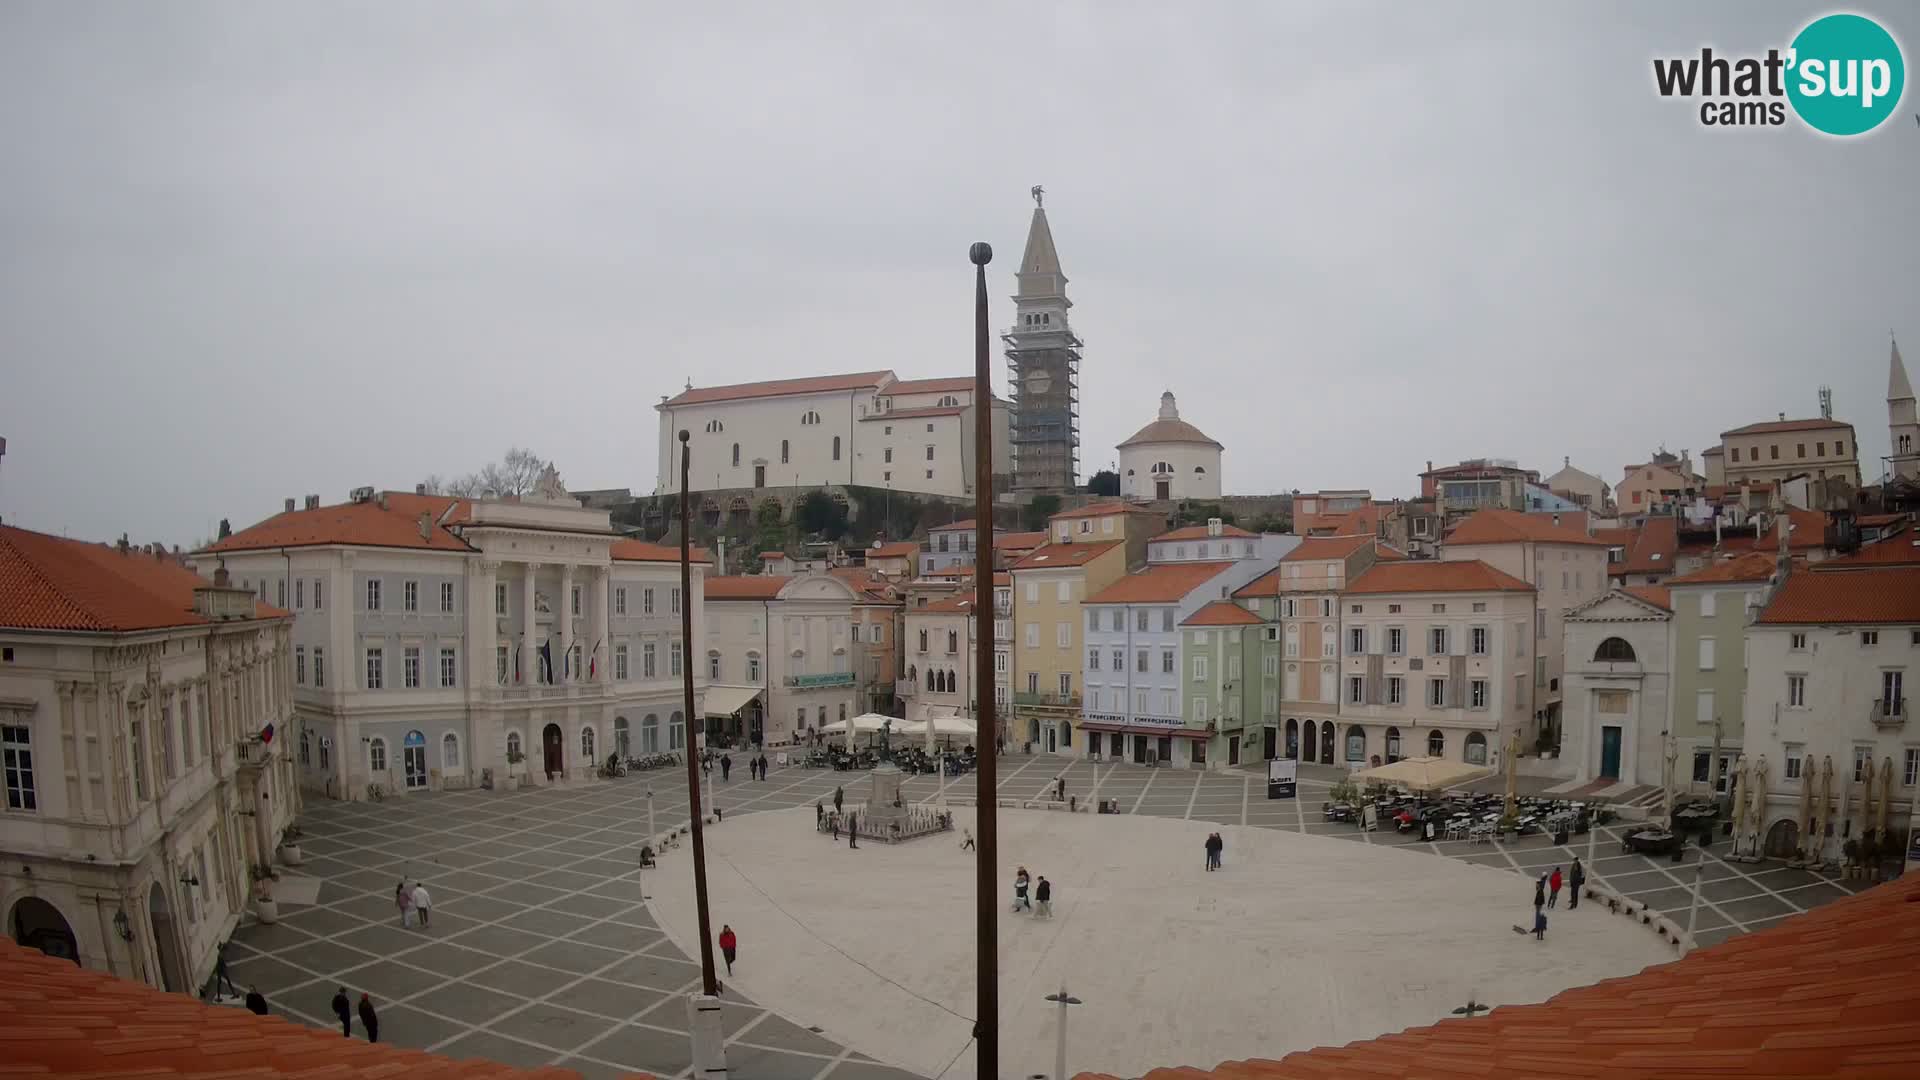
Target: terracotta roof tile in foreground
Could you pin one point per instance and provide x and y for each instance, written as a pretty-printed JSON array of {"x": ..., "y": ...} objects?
[
  {"x": 1830, "y": 993},
  {"x": 1511, "y": 527},
  {"x": 59, "y": 1019},
  {"x": 1222, "y": 613},
  {"x": 1160, "y": 583},
  {"x": 52, "y": 583},
  {"x": 1888, "y": 595},
  {"x": 1427, "y": 575}
]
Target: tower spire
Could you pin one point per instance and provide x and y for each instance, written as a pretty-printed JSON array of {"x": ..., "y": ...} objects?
[
  {"x": 1043, "y": 362},
  {"x": 1898, "y": 388}
]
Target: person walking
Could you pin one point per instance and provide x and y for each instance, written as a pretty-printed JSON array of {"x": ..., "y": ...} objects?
[
  {"x": 220, "y": 975},
  {"x": 834, "y": 824},
  {"x": 729, "y": 946},
  {"x": 342, "y": 1010},
  {"x": 369, "y": 1020},
  {"x": 853, "y": 831},
  {"x": 1553, "y": 888},
  {"x": 422, "y": 902},
  {"x": 966, "y": 840},
  {"x": 1043, "y": 894},
  {"x": 839, "y": 793},
  {"x": 819, "y": 814},
  {"x": 1020, "y": 883},
  {"x": 1539, "y": 925},
  {"x": 1540, "y": 894},
  {"x": 1576, "y": 878},
  {"x": 1213, "y": 850},
  {"x": 256, "y": 1001},
  {"x": 403, "y": 899}
]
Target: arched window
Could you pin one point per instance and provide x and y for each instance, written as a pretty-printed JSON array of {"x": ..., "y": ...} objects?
[
  {"x": 713, "y": 664},
  {"x": 1293, "y": 738},
  {"x": 953, "y": 641},
  {"x": 586, "y": 743},
  {"x": 449, "y": 751},
  {"x": 836, "y": 448},
  {"x": 1312, "y": 743},
  {"x": 1615, "y": 649},
  {"x": 1162, "y": 467},
  {"x": 1356, "y": 743},
  {"x": 676, "y": 731},
  {"x": 714, "y": 426},
  {"x": 1393, "y": 745},
  {"x": 621, "y": 736},
  {"x": 650, "y": 734},
  {"x": 306, "y": 748},
  {"x": 513, "y": 745},
  {"x": 1476, "y": 752},
  {"x": 736, "y": 455},
  {"x": 785, "y": 456},
  {"x": 1198, "y": 469},
  {"x": 1436, "y": 744},
  {"x": 377, "y": 755},
  {"x": 949, "y": 401}
]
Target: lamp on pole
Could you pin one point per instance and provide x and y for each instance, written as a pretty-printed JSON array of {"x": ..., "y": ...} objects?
[
  {"x": 1062, "y": 999},
  {"x": 703, "y": 1009},
  {"x": 986, "y": 1024},
  {"x": 1471, "y": 1008}
]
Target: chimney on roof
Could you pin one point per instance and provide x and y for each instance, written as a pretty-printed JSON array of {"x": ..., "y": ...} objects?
[
  {"x": 383, "y": 500},
  {"x": 313, "y": 502},
  {"x": 1429, "y": 464},
  {"x": 419, "y": 489},
  {"x": 289, "y": 508},
  {"x": 426, "y": 525},
  {"x": 1214, "y": 526}
]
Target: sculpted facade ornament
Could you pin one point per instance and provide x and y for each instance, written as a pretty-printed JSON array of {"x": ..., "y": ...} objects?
[{"x": 548, "y": 486}]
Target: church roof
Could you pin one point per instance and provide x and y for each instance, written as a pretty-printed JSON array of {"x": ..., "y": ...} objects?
[
  {"x": 1040, "y": 256},
  {"x": 816, "y": 384},
  {"x": 1898, "y": 388},
  {"x": 1169, "y": 428}
]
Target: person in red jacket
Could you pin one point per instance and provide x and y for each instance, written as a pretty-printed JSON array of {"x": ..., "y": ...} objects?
[
  {"x": 1553, "y": 888},
  {"x": 729, "y": 945}
]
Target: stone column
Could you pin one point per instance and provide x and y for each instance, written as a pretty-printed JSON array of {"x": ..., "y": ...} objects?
[
  {"x": 564, "y": 611},
  {"x": 529, "y": 646},
  {"x": 484, "y": 629},
  {"x": 603, "y": 624}
]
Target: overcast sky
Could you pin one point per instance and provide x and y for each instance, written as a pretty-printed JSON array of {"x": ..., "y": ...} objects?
[{"x": 249, "y": 251}]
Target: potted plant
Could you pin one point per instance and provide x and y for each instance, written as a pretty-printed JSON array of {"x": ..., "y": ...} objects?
[
  {"x": 264, "y": 908},
  {"x": 290, "y": 846},
  {"x": 514, "y": 757}
]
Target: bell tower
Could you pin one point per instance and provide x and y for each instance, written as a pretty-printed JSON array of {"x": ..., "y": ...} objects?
[
  {"x": 1043, "y": 367},
  {"x": 1903, "y": 429}
]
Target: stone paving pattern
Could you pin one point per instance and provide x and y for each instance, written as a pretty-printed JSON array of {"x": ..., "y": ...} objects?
[{"x": 542, "y": 951}]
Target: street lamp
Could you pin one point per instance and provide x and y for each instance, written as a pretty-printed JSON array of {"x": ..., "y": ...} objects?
[
  {"x": 1471, "y": 1008},
  {"x": 1062, "y": 999},
  {"x": 121, "y": 926}
]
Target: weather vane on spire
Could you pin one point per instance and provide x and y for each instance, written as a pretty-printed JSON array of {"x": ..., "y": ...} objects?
[{"x": 1038, "y": 192}]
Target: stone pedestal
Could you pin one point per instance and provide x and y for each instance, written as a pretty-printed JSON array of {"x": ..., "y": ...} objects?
[
  {"x": 885, "y": 806},
  {"x": 709, "y": 1037}
]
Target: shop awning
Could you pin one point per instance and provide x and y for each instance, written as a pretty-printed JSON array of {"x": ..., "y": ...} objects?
[
  {"x": 1123, "y": 729},
  {"x": 727, "y": 700}
]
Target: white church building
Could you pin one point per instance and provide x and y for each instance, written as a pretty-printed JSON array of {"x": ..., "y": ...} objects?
[
  {"x": 1169, "y": 459},
  {"x": 869, "y": 428}
]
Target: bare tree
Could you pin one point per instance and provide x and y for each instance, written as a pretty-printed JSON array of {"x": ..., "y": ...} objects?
[{"x": 514, "y": 474}]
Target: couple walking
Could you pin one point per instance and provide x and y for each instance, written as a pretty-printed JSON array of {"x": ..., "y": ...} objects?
[
  {"x": 1215, "y": 845},
  {"x": 413, "y": 901},
  {"x": 1042, "y": 894}
]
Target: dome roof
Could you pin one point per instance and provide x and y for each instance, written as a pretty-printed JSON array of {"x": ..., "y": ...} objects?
[{"x": 1169, "y": 428}]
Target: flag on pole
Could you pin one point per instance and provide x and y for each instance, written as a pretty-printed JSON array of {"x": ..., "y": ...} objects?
[
  {"x": 546, "y": 660},
  {"x": 266, "y": 735},
  {"x": 593, "y": 661}
]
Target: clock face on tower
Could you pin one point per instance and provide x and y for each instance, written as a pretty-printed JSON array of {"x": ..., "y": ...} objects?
[{"x": 1038, "y": 382}]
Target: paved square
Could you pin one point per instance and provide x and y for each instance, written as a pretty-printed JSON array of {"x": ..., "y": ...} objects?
[{"x": 538, "y": 915}]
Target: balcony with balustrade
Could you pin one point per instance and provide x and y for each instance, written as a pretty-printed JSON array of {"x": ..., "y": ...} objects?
[{"x": 1889, "y": 715}]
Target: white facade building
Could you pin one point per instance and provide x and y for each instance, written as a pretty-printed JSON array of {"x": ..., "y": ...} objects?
[
  {"x": 444, "y": 643},
  {"x": 778, "y": 656},
  {"x": 1169, "y": 459},
  {"x": 143, "y": 716},
  {"x": 1618, "y": 686},
  {"x": 870, "y": 429}
]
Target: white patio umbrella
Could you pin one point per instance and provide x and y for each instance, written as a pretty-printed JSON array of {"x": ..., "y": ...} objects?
[
  {"x": 1757, "y": 777},
  {"x": 1739, "y": 801},
  {"x": 1808, "y": 779},
  {"x": 1422, "y": 773}
]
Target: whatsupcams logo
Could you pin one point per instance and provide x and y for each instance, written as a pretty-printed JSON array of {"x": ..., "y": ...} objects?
[{"x": 1842, "y": 75}]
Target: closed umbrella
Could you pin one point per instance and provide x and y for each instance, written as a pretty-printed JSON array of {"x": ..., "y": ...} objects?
[
  {"x": 1757, "y": 820},
  {"x": 1823, "y": 815},
  {"x": 1808, "y": 778},
  {"x": 1739, "y": 800},
  {"x": 1866, "y": 800},
  {"x": 1886, "y": 794}
]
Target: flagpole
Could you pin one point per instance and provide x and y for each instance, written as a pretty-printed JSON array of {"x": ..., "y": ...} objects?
[
  {"x": 703, "y": 1009},
  {"x": 986, "y": 1024}
]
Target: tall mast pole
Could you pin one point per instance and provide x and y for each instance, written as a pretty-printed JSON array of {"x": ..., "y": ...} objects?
[
  {"x": 708, "y": 981},
  {"x": 987, "y": 1002}
]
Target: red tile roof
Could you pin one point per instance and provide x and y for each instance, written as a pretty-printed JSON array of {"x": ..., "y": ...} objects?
[
  {"x": 1011, "y": 541},
  {"x": 1199, "y": 532},
  {"x": 1054, "y": 556},
  {"x": 1101, "y": 509},
  {"x": 1753, "y": 566},
  {"x": 1267, "y": 584},
  {"x": 59, "y": 1019},
  {"x": 1888, "y": 595},
  {"x": 1771, "y": 426},
  {"x": 1901, "y": 548},
  {"x": 957, "y": 385},
  {"x": 899, "y": 549},
  {"x": 753, "y": 587},
  {"x": 1428, "y": 575},
  {"x": 818, "y": 384},
  {"x": 1511, "y": 527},
  {"x": 1657, "y": 595},
  {"x": 1617, "y": 537},
  {"x": 1808, "y": 532},
  {"x": 642, "y": 551},
  {"x": 1652, "y": 551},
  {"x": 1868, "y": 521},
  {"x": 1159, "y": 583},
  {"x": 965, "y": 523},
  {"x": 957, "y": 604},
  {"x": 873, "y": 588},
  {"x": 366, "y": 524},
  {"x": 1326, "y": 547},
  {"x": 1830, "y": 993},
  {"x": 1222, "y": 613},
  {"x": 51, "y": 583},
  {"x": 1361, "y": 519}
]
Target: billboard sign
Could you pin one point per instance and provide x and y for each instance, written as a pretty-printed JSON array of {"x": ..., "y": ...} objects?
[{"x": 1281, "y": 776}]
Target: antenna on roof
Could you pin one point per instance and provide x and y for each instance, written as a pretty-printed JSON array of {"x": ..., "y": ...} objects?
[{"x": 1826, "y": 403}]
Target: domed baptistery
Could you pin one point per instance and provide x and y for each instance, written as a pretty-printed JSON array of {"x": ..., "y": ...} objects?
[{"x": 1169, "y": 459}]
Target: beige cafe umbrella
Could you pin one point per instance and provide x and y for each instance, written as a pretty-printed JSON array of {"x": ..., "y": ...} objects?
[
  {"x": 1866, "y": 801},
  {"x": 1823, "y": 815},
  {"x": 1886, "y": 794},
  {"x": 1808, "y": 779},
  {"x": 1739, "y": 802},
  {"x": 1757, "y": 819}
]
